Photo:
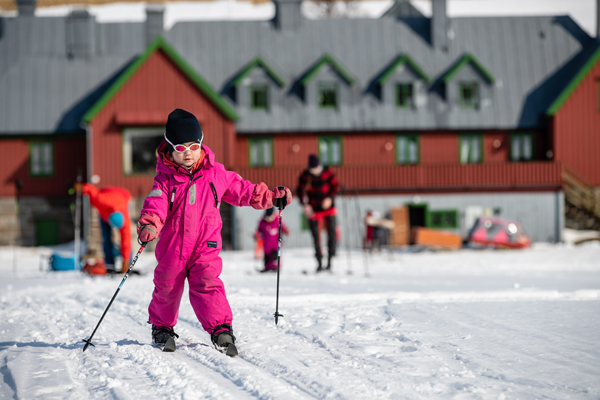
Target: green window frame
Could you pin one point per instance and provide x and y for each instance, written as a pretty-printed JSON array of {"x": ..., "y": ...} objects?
[
  {"x": 468, "y": 95},
  {"x": 41, "y": 159},
  {"x": 521, "y": 147},
  {"x": 259, "y": 97},
  {"x": 404, "y": 95},
  {"x": 330, "y": 150},
  {"x": 470, "y": 149},
  {"x": 261, "y": 152},
  {"x": 407, "y": 149},
  {"x": 328, "y": 94},
  {"x": 443, "y": 219}
]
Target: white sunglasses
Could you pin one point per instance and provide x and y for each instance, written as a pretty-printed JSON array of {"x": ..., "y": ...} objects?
[{"x": 181, "y": 148}]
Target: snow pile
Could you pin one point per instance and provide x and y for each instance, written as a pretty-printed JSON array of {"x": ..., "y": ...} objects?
[{"x": 467, "y": 324}]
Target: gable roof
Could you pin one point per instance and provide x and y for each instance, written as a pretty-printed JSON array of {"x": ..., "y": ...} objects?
[
  {"x": 326, "y": 59},
  {"x": 161, "y": 44},
  {"x": 532, "y": 59},
  {"x": 258, "y": 62},
  {"x": 401, "y": 60},
  {"x": 468, "y": 59}
]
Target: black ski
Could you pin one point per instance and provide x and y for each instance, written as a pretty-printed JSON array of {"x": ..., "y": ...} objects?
[
  {"x": 168, "y": 347},
  {"x": 231, "y": 350}
]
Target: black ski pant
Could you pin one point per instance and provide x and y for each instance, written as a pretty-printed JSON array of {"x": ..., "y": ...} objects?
[{"x": 330, "y": 225}]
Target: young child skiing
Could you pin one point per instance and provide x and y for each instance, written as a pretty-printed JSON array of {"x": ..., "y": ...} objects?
[
  {"x": 268, "y": 230},
  {"x": 183, "y": 209}
]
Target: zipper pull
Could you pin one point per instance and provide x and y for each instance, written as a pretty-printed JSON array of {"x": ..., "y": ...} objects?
[
  {"x": 172, "y": 198},
  {"x": 217, "y": 202}
]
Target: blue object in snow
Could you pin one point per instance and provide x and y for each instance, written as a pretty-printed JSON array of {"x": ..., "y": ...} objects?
[{"x": 60, "y": 262}]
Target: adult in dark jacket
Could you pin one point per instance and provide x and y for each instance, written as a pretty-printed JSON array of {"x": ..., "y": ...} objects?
[{"x": 317, "y": 188}]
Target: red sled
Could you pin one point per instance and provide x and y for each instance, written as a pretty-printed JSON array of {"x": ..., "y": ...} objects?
[{"x": 489, "y": 231}]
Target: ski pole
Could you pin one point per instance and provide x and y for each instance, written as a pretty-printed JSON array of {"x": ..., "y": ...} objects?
[
  {"x": 279, "y": 203},
  {"x": 89, "y": 341},
  {"x": 362, "y": 235},
  {"x": 348, "y": 246}
]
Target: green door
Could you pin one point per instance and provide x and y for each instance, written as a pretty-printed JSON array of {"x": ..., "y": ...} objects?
[{"x": 46, "y": 232}]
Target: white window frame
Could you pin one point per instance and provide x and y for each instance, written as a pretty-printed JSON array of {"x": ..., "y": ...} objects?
[{"x": 130, "y": 133}]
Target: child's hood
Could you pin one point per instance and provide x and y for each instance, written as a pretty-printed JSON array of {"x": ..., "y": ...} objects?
[{"x": 166, "y": 166}]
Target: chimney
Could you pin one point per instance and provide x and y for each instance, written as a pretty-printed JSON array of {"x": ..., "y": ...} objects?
[
  {"x": 288, "y": 16},
  {"x": 155, "y": 19},
  {"x": 439, "y": 25},
  {"x": 26, "y": 7},
  {"x": 81, "y": 35}
]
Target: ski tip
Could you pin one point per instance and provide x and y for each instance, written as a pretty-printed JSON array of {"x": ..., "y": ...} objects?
[
  {"x": 170, "y": 346},
  {"x": 231, "y": 350}
]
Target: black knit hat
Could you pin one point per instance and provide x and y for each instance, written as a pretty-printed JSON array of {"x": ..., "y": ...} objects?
[
  {"x": 313, "y": 161},
  {"x": 269, "y": 211},
  {"x": 183, "y": 127}
]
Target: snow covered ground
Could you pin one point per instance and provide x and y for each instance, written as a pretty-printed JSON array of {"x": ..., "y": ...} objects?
[{"x": 452, "y": 325}]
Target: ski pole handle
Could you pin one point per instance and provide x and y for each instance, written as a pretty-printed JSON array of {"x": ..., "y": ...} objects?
[{"x": 280, "y": 202}]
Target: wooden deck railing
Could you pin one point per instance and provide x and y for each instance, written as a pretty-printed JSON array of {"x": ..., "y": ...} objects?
[
  {"x": 579, "y": 192},
  {"x": 513, "y": 176}
]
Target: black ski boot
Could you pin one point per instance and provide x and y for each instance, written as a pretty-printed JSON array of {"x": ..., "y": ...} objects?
[
  {"x": 222, "y": 336},
  {"x": 164, "y": 337},
  {"x": 319, "y": 265},
  {"x": 328, "y": 268}
]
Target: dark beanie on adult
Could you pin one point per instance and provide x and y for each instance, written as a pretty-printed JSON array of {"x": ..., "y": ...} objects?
[
  {"x": 183, "y": 127},
  {"x": 313, "y": 161}
]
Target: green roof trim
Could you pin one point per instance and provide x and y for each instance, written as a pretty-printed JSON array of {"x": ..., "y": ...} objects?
[
  {"x": 570, "y": 88},
  {"x": 161, "y": 44},
  {"x": 258, "y": 61},
  {"x": 403, "y": 59},
  {"x": 468, "y": 58},
  {"x": 327, "y": 59}
]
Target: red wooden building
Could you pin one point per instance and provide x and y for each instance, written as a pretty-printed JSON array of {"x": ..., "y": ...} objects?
[{"x": 426, "y": 121}]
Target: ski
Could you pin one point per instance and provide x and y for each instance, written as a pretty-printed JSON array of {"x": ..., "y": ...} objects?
[
  {"x": 230, "y": 350},
  {"x": 170, "y": 346}
]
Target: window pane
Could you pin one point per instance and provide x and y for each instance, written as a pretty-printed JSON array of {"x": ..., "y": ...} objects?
[
  {"x": 413, "y": 153},
  {"x": 143, "y": 152},
  {"x": 401, "y": 150},
  {"x": 527, "y": 148},
  {"x": 404, "y": 94},
  {"x": 515, "y": 148},
  {"x": 464, "y": 150},
  {"x": 468, "y": 94},
  {"x": 253, "y": 153},
  {"x": 46, "y": 158},
  {"x": 327, "y": 95},
  {"x": 266, "y": 146},
  {"x": 475, "y": 149},
  {"x": 336, "y": 153},
  {"x": 324, "y": 150},
  {"x": 35, "y": 159},
  {"x": 259, "y": 97}
]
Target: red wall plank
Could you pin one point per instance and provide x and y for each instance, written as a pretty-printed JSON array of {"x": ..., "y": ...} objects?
[
  {"x": 577, "y": 129},
  {"x": 69, "y": 156}
]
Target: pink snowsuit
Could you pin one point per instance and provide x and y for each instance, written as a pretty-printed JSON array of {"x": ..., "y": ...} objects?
[
  {"x": 269, "y": 231},
  {"x": 190, "y": 239}
]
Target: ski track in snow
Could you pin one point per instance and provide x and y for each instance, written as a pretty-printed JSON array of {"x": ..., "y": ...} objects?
[{"x": 457, "y": 325}]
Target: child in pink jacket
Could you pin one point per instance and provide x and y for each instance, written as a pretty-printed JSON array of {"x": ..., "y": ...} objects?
[
  {"x": 183, "y": 210},
  {"x": 268, "y": 230}
]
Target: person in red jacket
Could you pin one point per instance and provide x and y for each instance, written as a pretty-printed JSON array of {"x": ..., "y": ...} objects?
[
  {"x": 112, "y": 204},
  {"x": 317, "y": 188}
]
